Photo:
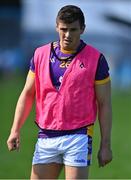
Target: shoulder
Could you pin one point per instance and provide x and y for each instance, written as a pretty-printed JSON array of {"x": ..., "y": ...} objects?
[
  {"x": 91, "y": 52},
  {"x": 42, "y": 51},
  {"x": 43, "y": 47},
  {"x": 92, "y": 49},
  {"x": 102, "y": 72},
  {"x": 102, "y": 62}
]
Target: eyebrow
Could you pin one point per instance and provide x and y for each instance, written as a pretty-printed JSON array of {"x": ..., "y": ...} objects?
[{"x": 62, "y": 28}]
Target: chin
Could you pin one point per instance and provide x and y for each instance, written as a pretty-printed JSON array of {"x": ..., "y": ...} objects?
[{"x": 66, "y": 47}]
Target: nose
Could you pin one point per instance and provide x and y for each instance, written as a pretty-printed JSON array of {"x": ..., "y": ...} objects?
[{"x": 67, "y": 34}]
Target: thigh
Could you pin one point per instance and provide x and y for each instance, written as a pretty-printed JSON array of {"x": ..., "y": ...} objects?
[
  {"x": 78, "y": 151},
  {"x": 72, "y": 172},
  {"x": 46, "y": 171},
  {"x": 77, "y": 157},
  {"x": 46, "y": 151}
]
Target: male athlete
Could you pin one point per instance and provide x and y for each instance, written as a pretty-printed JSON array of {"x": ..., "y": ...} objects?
[{"x": 70, "y": 82}]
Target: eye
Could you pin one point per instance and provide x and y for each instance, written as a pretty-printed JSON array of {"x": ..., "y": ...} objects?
[
  {"x": 73, "y": 29},
  {"x": 63, "y": 29}
]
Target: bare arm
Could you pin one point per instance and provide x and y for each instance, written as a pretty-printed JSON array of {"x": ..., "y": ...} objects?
[
  {"x": 103, "y": 95},
  {"x": 22, "y": 111}
]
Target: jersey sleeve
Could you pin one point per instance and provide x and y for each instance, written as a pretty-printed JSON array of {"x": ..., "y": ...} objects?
[
  {"x": 102, "y": 73},
  {"x": 32, "y": 67}
]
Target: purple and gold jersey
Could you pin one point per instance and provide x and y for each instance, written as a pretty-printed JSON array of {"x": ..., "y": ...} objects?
[
  {"x": 58, "y": 67},
  {"x": 59, "y": 62}
]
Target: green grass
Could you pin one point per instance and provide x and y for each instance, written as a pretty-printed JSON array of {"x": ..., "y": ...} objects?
[
  {"x": 120, "y": 167},
  {"x": 17, "y": 165}
]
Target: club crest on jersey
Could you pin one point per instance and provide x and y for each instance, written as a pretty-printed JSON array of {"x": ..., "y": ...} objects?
[
  {"x": 52, "y": 60},
  {"x": 82, "y": 65},
  {"x": 60, "y": 79}
]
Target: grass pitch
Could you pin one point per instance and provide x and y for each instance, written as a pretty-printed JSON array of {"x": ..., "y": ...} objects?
[{"x": 17, "y": 165}]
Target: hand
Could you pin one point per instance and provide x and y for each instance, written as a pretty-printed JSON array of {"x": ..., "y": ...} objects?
[
  {"x": 104, "y": 156},
  {"x": 13, "y": 142}
]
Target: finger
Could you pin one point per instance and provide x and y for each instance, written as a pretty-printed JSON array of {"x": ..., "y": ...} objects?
[
  {"x": 17, "y": 145},
  {"x": 9, "y": 145},
  {"x": 104, "y": 162},
  {"x": 101, "y": 161},
  {"x": 101, "y": 164},
  {"x": 13, "y": 145}
]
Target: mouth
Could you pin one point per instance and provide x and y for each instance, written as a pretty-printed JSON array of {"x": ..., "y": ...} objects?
[{"x": 67, "y": 41}]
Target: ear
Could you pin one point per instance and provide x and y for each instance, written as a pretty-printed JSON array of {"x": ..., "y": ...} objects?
[
  {"x": 56, "y": 27},
  {"x": 83, "y": 29}
]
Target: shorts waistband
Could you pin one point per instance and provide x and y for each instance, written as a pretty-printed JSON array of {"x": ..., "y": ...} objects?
[{"x": 44, "y": 133}]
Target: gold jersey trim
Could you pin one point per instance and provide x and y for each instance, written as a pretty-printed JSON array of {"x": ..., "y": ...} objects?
[
  {"x": 67, "y": 52},
  {"x": 31, "y": 73},
  {"x": 103, "y": 81},
  {"x": 90, "y": 129}
]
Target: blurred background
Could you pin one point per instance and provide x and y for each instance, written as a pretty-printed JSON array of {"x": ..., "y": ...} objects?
[{"x": 27, "y": 24}]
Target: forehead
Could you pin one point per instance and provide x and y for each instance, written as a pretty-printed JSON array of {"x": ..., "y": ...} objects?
[{"x": 74, "y": 24}]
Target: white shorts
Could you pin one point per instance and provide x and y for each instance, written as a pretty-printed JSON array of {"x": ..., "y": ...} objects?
[{"x": 72, "y": 150}]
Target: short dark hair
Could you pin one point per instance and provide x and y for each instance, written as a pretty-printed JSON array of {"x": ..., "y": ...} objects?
[{"x": 70, "y": 13}]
